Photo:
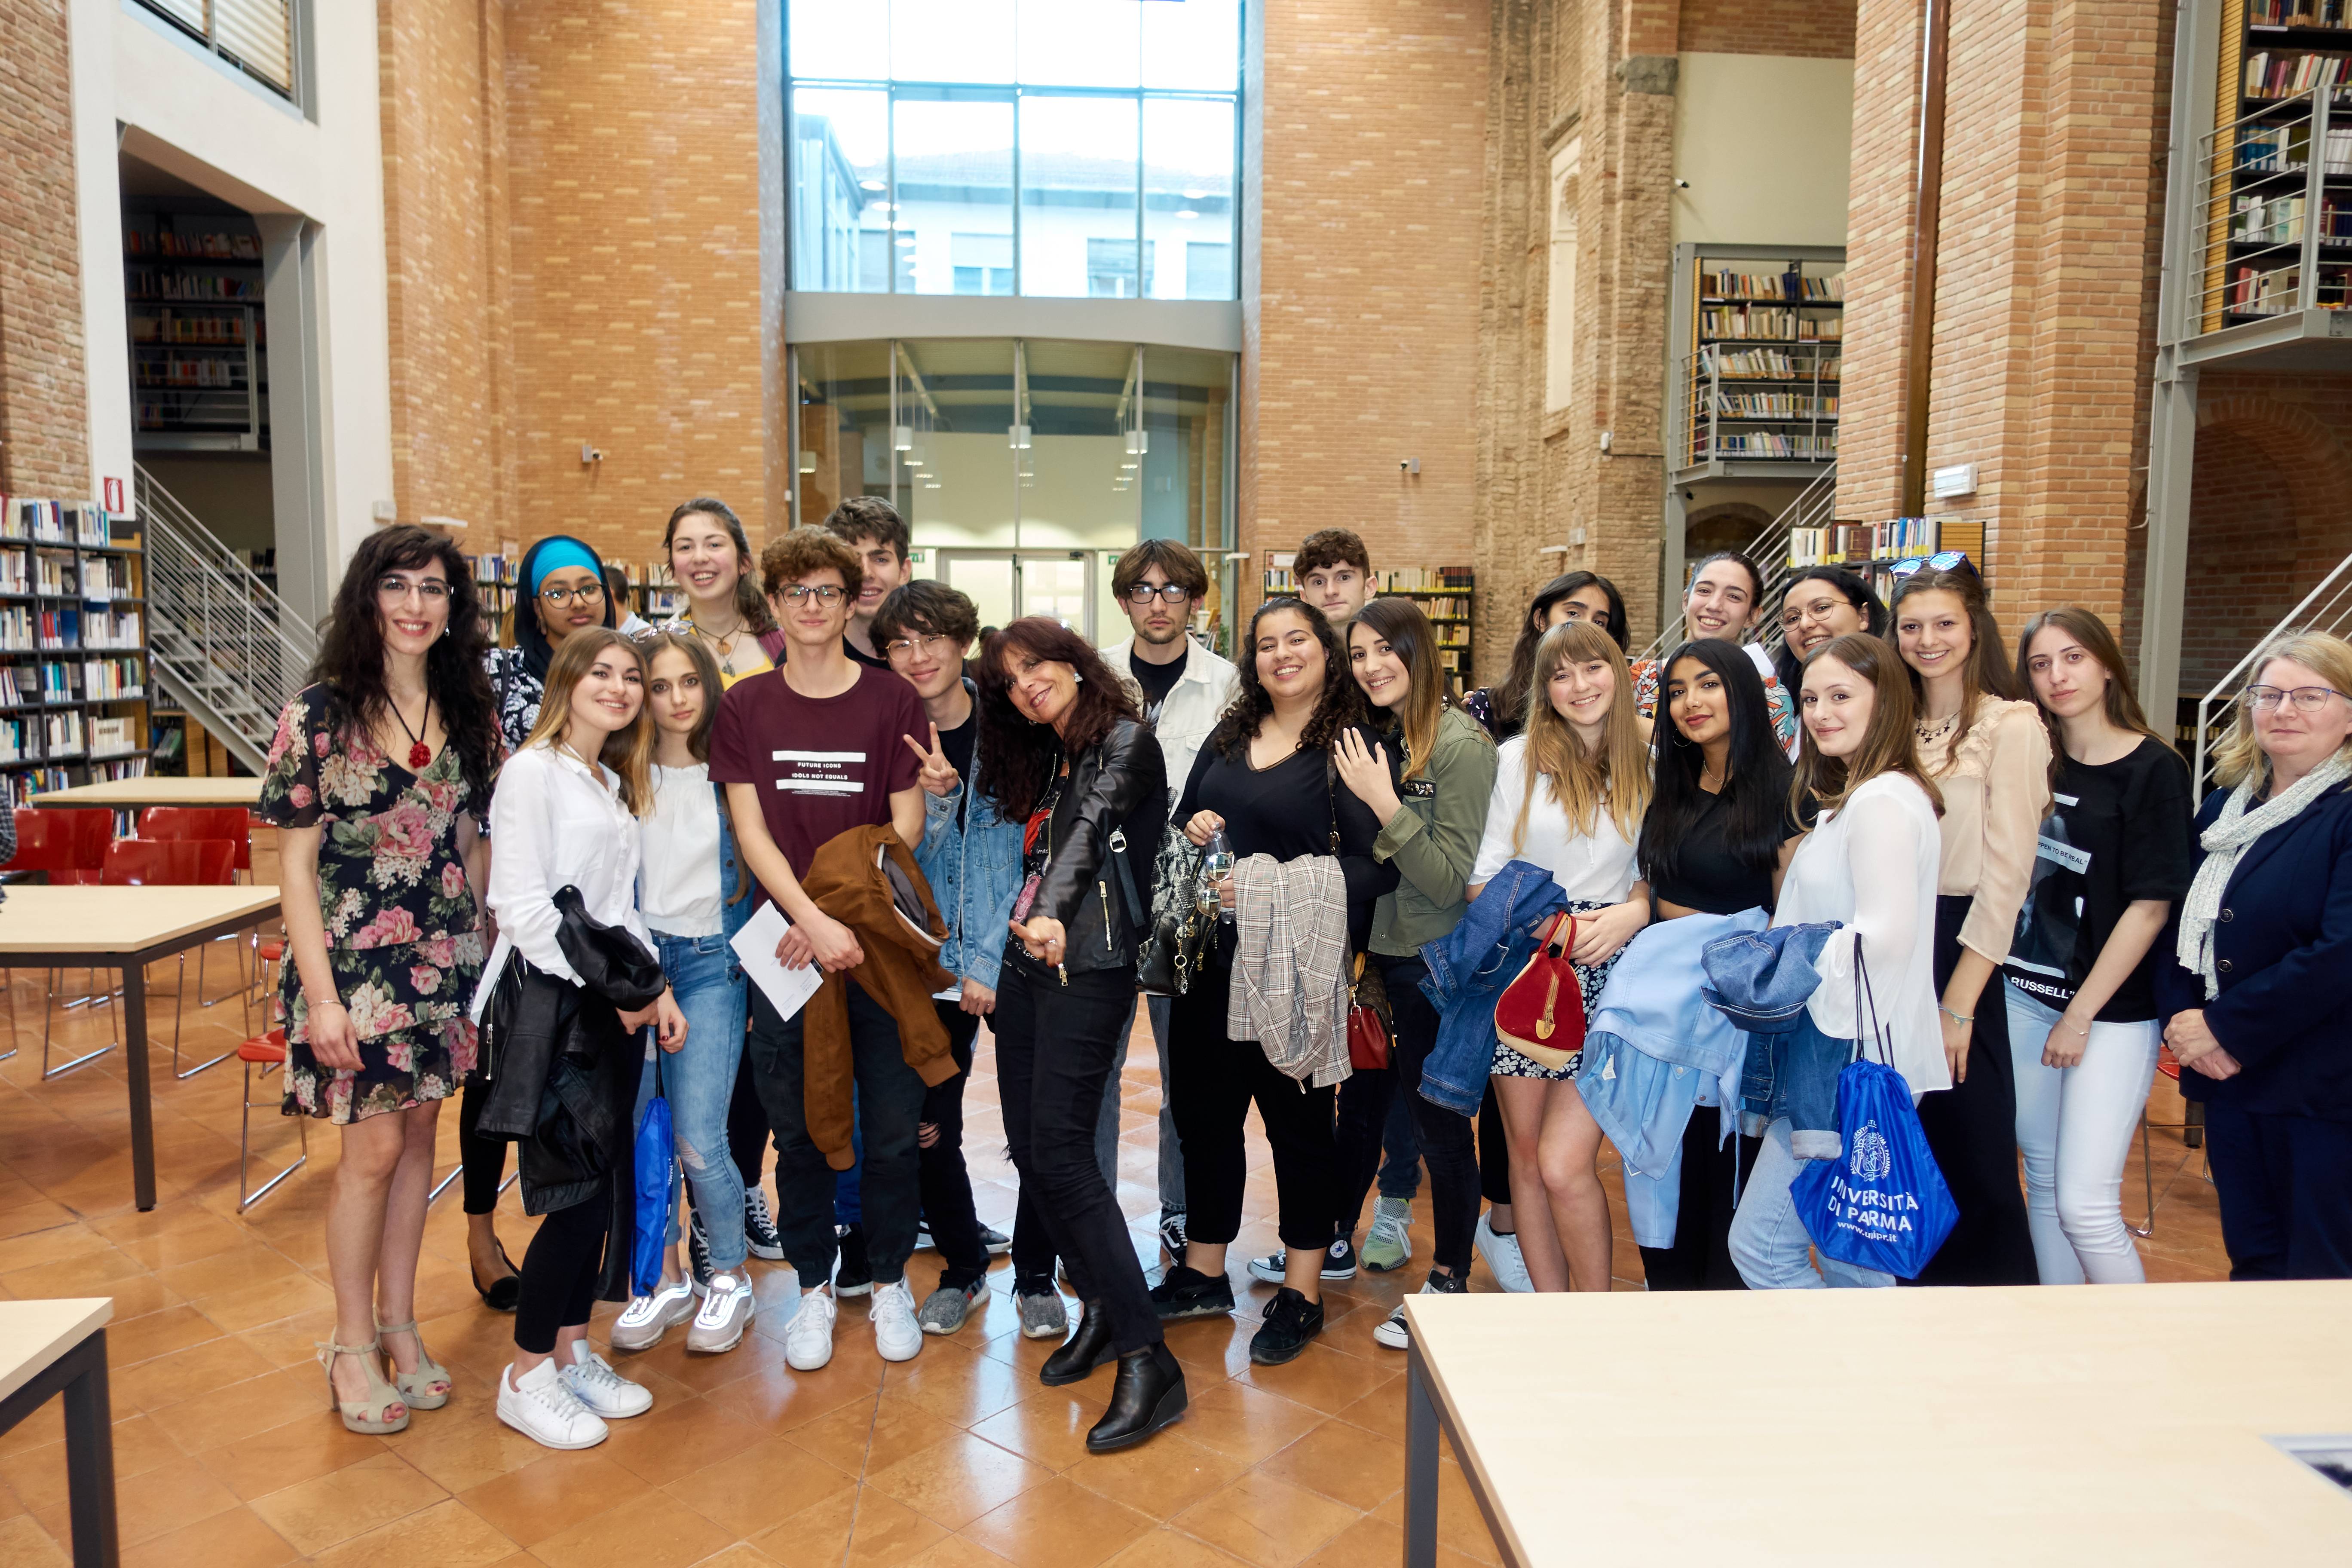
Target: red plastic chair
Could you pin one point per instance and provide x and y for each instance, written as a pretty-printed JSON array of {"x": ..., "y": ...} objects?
[
  {"x": 266, "y": 1052},
  {"x": 229, "y": 824},
  {"x": 173, "y": 863},
  {"x": 70, "y": 845}
]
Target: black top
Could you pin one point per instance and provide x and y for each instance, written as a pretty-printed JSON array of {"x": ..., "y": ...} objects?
[
  {"x": 1286, "y": 811},
  {"x": 2118, "y": 832},
  {"x": 1157, "y": 681},
  {"x": 1706, "y": 878},
  {"x": 959, "y": 744},
  {"x": 855, "y": 654}
]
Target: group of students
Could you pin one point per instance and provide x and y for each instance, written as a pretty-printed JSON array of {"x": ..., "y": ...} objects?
[{"x": 957, "y": 830}]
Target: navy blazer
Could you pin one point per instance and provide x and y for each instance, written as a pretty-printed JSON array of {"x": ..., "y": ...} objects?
[{"x": 2283, "y": 954}]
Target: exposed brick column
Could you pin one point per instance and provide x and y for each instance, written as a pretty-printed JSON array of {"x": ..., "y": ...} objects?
[
  {"x": 1879, "y": 208},
  {"x": 44, "y": 387}
]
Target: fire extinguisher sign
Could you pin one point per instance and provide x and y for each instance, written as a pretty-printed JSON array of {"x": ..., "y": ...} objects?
[{"x": 115, "y": 494}]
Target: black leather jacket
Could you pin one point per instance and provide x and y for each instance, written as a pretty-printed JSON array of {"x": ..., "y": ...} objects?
[{"x": 1102, "y": 839}]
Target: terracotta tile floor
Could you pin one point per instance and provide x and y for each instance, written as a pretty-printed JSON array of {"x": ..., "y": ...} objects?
[{"x": 227, "y": 1455}]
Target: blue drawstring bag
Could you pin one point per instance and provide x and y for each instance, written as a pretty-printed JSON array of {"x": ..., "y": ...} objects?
[
  {"x": 656, "y": 1180},
  {"x": 1882, "y": 1203}
]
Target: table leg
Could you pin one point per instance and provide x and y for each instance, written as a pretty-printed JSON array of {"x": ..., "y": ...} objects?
[
  {"x": 89, "y": 1457},
  {"x": 143, "y": 1115},
  {"x": 1420, "y": 1464}
]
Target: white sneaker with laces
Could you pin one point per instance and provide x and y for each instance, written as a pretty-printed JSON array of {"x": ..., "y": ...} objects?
[
  {"x": 542, "y": 1407},
  {"x": 593, "y": 1380},
  {"x": 1502, "y": 1256},
  {"x": 726, "y": 1313},
  {"x": 896, "y": 1336},
  {"x": 808, "y": 1338},
  {"x": 646, "y": 1319}
]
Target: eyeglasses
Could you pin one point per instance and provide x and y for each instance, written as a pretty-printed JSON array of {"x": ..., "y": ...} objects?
[
  {"x": 432, "y": 589},
  {"x": 825, "y": 594},
  {"x": 2306, "y": 699},
  {"x": 898, "y": 648},
  {"x": 588, "y": 594},
  {"x": 1143, "y": 593}
]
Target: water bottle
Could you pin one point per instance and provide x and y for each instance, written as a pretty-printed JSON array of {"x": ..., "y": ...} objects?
[{"x": 1216, "y": 868}]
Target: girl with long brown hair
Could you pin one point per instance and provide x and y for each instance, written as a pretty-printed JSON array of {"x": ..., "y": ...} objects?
[{"x": 711, "y": 561}]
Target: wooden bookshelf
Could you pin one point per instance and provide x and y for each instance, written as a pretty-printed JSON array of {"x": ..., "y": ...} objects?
[
  {"x": 199, "y": 350},
  {"x": 1759, "y": 369},
  {"x": 74, "y": 673},
  {"x": 1446, "y": 594},
  {"x": 2273, "y": 54},
  {"x": 1873, "y": 549}
]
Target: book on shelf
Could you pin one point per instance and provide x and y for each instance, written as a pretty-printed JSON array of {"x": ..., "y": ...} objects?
[
  {"x": 1769, "y": 364},
  {"x": 1425, "y": 579},
  {"x": 2282, "y": 74},
  {"x": 1799, "y": 287},
  {"x": 1773, "y": 322},
  {"x": 1774, "y": 405},
  {"x": 1860, "y": 543}
]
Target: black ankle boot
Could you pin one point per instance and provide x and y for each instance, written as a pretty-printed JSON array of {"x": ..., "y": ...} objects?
[
  {"x": 1088, "y": 1348},
  {"x": 1149, "y": 1395}
]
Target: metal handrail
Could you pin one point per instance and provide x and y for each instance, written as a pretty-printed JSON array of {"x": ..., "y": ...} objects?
[
  {"x": 2262, "y": 180},
  {"x": 2332, "y": 613},
  {"x": 1814, "y": 506}
]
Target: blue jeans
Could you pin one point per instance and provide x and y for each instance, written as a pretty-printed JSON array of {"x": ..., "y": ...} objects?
[
  {"x": 1769, "y": 1241},
  {"x": 699, "y": 1079}
]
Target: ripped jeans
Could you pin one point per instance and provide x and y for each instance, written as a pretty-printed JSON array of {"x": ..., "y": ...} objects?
[{"x": 699, "y": 1079}]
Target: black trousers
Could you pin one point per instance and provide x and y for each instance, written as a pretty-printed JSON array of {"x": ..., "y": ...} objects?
[
  {"x": 1700, "y": 1259},
  {"x": 1055, "y": 1041},
  {"x": 2285, "y": 1184},
  {"x": 747, "y": 1125},
  {"x": 1972, "y": 1130},
  {"x": 946, "y": 1186},
  {"x": 1448, "y": 1145},
  {"x": 559, "y": 1273},
  {"x": 1494, "y": 1150},
  {"x": 484, "y": 1160},
  {"x": 1213, "y": 1082}
]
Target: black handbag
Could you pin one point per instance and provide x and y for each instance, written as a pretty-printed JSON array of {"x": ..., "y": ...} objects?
[{"x": 1176, "y": 948}]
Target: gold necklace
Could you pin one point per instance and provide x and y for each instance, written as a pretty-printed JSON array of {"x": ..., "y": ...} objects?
[{"x": 726, "y": 643}]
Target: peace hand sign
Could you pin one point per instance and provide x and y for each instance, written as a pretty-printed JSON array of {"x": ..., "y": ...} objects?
[{"x": 939, "y": 775}]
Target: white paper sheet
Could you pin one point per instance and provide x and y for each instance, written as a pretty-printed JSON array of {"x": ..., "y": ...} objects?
[{"x": 787, "y": 990}]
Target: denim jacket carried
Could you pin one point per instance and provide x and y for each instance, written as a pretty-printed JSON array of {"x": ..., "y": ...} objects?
[
  {"x": 975, "y": 874},
  {"x": 1468, "y": 967}
]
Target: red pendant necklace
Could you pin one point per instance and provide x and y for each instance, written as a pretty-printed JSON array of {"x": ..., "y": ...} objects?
[{"x": 420, "y": 755}]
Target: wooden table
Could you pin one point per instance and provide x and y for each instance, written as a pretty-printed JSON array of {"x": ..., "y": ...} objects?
[
  {"x": 129, "y": 795},
  {"x": 59, "y": 1348},
  {"x": 1978, "y": 1427},
  {"x": 125, "y": 929}
]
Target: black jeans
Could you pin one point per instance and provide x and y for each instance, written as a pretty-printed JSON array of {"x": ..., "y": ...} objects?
[
  {"x": 1494, "y": 1150},
  {"x": 1972, "y": 1130},
  {"x": 946, "y": 1186},
  {"x": 559, "y": 1273},
  {"x": 889, "y": 1105},
  {"x": 1055, "y": 1041},
  {"x": 1700, "y": 1259},
  {"x": 484, "y": 1160},
  {"x": 1447, "y": 1141},
  {"x": 1214, "y": 1081}
]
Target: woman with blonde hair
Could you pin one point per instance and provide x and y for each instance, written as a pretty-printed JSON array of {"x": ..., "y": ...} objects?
[
  {"x": 2254, "y": 998},
  {"x": 1570, "y": 794}
]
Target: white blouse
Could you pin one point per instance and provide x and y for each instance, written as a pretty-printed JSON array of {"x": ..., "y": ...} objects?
[
  {"x": 677, "y": 887},
  {"x": 1597, "y": 867},
  {"x": 1870, "y": 865},
  {"x": 553, "y": 825}
]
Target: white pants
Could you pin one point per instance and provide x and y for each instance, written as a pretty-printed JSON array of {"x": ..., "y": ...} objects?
[
  {"x": 1769, "y": 1243},
  {"x": 2074, "y": 1127}
]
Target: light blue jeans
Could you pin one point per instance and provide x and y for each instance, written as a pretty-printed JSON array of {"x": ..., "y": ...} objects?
[
  {"x": 1769, "y": 1241},
  {"x": 2074, "y": 1127},
  {"x": 699, "y": 1079}
]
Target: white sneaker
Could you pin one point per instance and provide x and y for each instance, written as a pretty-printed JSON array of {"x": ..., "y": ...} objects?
[
  {"x": 726, "y": 1313},
  {"x": 596, "y": 1384},
  {"x": 808, "y": 1338},
  {"x": 646, "y": 1319},
  {"x": 542, "y": 1407},
  {"x": 896, "y": 1336},
  {"x": 1502, "y": 1256}
]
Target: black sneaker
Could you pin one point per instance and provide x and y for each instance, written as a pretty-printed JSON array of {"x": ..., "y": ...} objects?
[
  {"x": 1185, "y": 1292},
  {"x": 759, "y": 1229},
  {"x": 1394, "y": 1332},
  {"x": 1291, "y": 1320},
  {"x": 698, "y": 1255},
  {"x": 997, "y": 1242},
  {"x": 854, "y": 1277},
  {"x": 1172, "y": 1236},
  {"x": 1338, "y": 1263}
]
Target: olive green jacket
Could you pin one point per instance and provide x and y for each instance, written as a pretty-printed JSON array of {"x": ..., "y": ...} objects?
[{"x": 1434, "y": 838}]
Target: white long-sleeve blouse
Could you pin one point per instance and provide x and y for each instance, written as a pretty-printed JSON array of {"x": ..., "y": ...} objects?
[{"x": 554, "y": 824}]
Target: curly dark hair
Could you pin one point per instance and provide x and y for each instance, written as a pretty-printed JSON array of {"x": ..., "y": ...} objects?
[
  {"x": 350, "y": 651},
  {"x": 1341, "y": 704},
  {"x": 1018, "y": 757}
]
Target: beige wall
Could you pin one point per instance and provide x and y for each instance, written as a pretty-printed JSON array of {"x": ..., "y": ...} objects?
[{"x": 1784, "y": 187}]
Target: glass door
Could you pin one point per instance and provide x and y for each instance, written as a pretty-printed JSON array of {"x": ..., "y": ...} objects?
[{"x": 1008, "y": 583}]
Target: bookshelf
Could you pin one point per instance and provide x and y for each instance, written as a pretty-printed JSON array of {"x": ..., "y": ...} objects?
[
  {"x": 73, "y": 647},
  {"x": 1446, "y": 594},
  {"x": 653, "y": 592},
  {"x": 2284, "y": 70},
  {"x": 1871, "y": 550},
  {"x": 1759, "y": 331},
  {"x": 199, "y": 349}
]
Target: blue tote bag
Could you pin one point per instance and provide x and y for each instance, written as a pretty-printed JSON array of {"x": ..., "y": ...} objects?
[
  {"x": 1882, "y": 1203},
  {"x": 656, "y": 1180}
]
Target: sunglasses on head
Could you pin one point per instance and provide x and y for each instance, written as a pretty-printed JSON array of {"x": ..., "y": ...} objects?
[{"x": 1942, "y": 561}]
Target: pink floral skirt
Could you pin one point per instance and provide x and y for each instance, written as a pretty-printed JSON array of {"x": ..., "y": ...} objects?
[{"x": 409, "y": 1004}]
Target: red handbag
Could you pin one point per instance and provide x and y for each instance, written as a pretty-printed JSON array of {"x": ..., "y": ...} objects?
[
  {"x": 1540, "y": 1013},
  {"x": 1368, "y": 1021}
]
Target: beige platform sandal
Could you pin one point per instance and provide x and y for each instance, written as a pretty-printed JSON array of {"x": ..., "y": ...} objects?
[
  {"x": 365, "y": 1416},
  {"x": 416, "y": 1387}
]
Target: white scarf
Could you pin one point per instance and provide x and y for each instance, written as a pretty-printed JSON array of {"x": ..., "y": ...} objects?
[{"x": 2224, "y": 842}]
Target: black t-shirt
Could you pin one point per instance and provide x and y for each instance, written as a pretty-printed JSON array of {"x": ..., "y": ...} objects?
[
  {"x": 1708, "y": 877},
  {"x": 959, "y": 744},
  {"x": 855, "y": 655},
  {"x": 2119, "y": 832},
  {"x": 1286, "y": 811},
  {"x": 1157, "y": 681}
]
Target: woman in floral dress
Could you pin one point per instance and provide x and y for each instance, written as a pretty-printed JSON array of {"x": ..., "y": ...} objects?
[{"x": 378, "y": 781}]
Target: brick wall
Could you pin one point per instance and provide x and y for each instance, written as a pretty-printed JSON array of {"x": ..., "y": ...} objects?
[
  {"x": 1822, "y": 29},
  {"x": 1364, "y": 348},
  {"x": 1879, "y": 212},
  {"x": 632, "y": 159},
  {"x": 44, "y": 398}
]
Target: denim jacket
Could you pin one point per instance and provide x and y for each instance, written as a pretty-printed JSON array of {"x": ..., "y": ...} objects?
[
  {"x": 975, "y": 874},
  {"x": 1468, "y": 968}
]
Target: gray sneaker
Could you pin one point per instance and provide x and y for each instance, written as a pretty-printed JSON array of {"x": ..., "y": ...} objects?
[
  {"x": 646, "y": 1319},
  {"x": 1043, "y": 1315},
  {"x": 944, "y": 1310},
  {"x": 726, "y": 1313}
]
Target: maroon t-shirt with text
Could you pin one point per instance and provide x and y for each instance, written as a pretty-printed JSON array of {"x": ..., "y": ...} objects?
[{"x": 822, "y": 764}]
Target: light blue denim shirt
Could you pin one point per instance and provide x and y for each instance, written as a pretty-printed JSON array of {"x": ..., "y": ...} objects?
[{"x": 975, "y": 874}]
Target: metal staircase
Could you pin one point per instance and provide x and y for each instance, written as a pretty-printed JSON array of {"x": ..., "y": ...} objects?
[
  {"x": 223, "y": 644},
  {"x": 2326, "y": 608},
  {"x": 1814, "y": 507}
]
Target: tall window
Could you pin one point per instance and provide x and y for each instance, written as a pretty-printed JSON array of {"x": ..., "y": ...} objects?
[{"x": 1041, "y": 147}]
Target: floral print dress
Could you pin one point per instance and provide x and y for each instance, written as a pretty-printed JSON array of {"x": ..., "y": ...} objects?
[{"x": 404, "y": 930}]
